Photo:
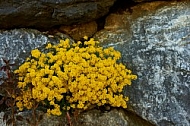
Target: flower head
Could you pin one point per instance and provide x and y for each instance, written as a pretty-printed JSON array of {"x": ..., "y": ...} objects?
[{"x": 81, "y": 75}]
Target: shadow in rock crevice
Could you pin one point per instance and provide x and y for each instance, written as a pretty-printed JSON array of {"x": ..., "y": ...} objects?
[{"x": 119, "y": 7}]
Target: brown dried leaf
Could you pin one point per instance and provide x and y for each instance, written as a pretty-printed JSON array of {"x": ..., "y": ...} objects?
[
  {"x": 40, "y": 117},
  {"x": 5, "y": 61},
  {"x": 2, "y": 100},
  {"x": 9, "y": 102},
  {"x": 17, "y": 91},
  {"x": 3, "y": 68},
  {"x": 28, "y": 121},
  {"x": 5, "y": 117},
  {"x": 15, "y": 111},
  {"x": 19, "y": 118},
  {"x": 9, "y": 121}
]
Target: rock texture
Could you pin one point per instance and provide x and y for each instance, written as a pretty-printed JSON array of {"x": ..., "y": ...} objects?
[
  {"x": 77, "y": 32},
  {"x": 142, "y": 0},
  {"x": 155, "y": 43},
  {"x": 2, "y": 123},
  {"x": 49, "y": 13},
  {"x": 115, "y": 117},
  {"x": 15, "y": 45},
  {"x": 154, "y": 39}
]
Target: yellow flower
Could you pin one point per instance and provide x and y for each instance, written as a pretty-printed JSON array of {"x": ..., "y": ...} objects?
[
  {"x": 52, "y": 103},
  {"x": 58, "y": 97},
  {"x": 35, "y": 53},
  {"x": 83, "y": 75},
  {"x": 62, "y": 90},
  {"x": 48, "y": 112},
  {"x": 80, "y": 105},
  {"x": 85, "y": 37},
  {"x": 19, "y": 105},
  {"x": 103, "y": 102},
  {"x": 49, "y": 45}
]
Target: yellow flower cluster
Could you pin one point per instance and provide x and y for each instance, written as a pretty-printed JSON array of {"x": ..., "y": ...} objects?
[{"x": 74, "y": 75}]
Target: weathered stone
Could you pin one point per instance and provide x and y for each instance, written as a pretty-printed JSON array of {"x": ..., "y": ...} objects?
[
  {"x": 49, "y": 13},
  {"x": 15, "y": 45},
  {"x": 77, "y": 32},
  {"x": 115, "y": 117},
  {"x": 154, "y": 42},
  {"x": 139, "y": 1},
  {"x": 2, "y": 123}
]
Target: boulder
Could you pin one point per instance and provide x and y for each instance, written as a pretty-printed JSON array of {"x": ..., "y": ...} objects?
[
  {"x": 94, "y": 117},
  {"x": 139, "y": 1},
  {"x": 115, "y": 117},
  {"x": 45, "y": 14},
  {"x": 15, "y": 45},
  {"x": 154, "y": 41}
]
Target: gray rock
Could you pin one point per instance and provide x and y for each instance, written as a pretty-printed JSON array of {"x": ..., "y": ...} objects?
[
  {"x": 94, "y": 117},
  {"x": 115, "y": 117},
  {"x": 15, "y": 45},
  {"x": 2, "y": 123},
  {"x": 155, "y": 43},
  {"x": 49, "y": 13},
  {"x": 138, "y": 1}
]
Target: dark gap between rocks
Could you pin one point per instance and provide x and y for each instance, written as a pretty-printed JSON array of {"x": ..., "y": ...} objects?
[{"x": 118, "y": 7}]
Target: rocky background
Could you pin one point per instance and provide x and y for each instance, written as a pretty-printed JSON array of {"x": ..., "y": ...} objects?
[{"x": 153, "y": 37}]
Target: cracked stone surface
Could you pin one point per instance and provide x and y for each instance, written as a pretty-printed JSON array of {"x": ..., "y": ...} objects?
[
  {"x": 15, "y": 45},
  {"x": 114, "y": 117},
  {"x": 48, "y": 13},
  {"x": 155, "y": 43}
]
